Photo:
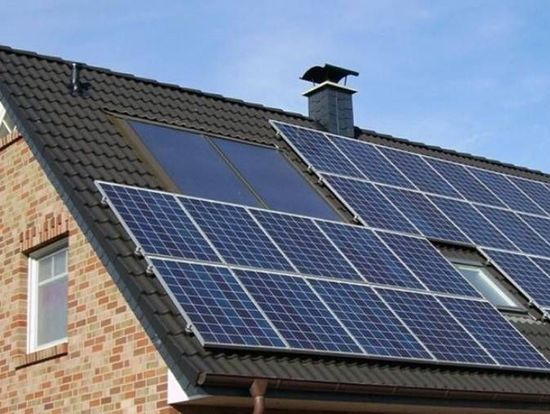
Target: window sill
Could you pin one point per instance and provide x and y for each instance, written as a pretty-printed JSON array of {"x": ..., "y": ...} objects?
[{"x": 55, "y": 351}]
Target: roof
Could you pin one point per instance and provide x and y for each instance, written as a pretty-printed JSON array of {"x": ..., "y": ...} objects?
[{"x": 76, "y": 142}]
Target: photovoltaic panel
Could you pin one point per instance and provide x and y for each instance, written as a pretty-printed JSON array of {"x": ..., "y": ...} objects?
[
  {"x": 158, "y": 223},
  {"x": 524, "y": 273},
  {"x": 419, "y": 172},
  {"x": 217, "y": 306},
  {"x": 539, "y": 224},
  {"x": 424, "y": 215},
  {"x": 464, "y": 182},
  {"x": 472, "y": 223},
  {"x": 235, "y": 234},
  {"x": 428, "y": 265},
  {"x": 369, "y": 320},
  {"x": 375, "y": 262},
  {"x": 297, "y": 313},
  {"x": 370, "y": 161},
  {"x": 544, "y": 264},
  {"x": 538, "y": 192},
  {"x": 494, "y": 333},
  {"x": 506, "y": 191},
  {"x": 435, "y": 327},
  {"x": 317, "y": 150},
  {"x": 305, "y": 245},
  {"x": 369, "y": 204},
  {"x": 516, "y": 230}
]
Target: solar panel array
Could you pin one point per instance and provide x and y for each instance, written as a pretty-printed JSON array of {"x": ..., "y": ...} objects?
[
  {"x": 265, "y": 280},
  {"x": 392, "y": 189}
]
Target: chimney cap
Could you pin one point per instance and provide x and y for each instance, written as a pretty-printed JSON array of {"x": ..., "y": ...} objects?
[{"x": 331, "y": 73}]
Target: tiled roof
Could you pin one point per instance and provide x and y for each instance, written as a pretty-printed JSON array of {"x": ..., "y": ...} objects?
[{"x": 76, "y": 142}]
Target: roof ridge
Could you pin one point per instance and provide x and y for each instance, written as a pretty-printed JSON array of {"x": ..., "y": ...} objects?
[
  {"x": 451, "y": 151},
  {"x": 153, "y": 81}
]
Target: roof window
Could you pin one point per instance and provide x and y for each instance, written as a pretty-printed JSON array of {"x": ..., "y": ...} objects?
[{"x": 229, "y": 170}]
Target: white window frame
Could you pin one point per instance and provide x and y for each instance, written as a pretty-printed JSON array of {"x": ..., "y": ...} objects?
[
  {"x": 3, "y": 118},
  {"x": 32, "y": 302}
]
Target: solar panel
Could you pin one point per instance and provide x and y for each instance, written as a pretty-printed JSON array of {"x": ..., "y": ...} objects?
[
  {"x": 464, "y": 182},
  {"x": 428, "y": 265},
  {"x": 539, "y": 224},
  {"x": 472, "y": 223},
  {"x": 506, "y": 191},
  {"x": 235, "y": 234},
  {"x": 424, "y": 215},
  {"x": 305, "y": 245},
  {"x": 370, "y": 161},
  {"x": 369, "y": 204},
  {"x": 419, "y": 172},
  {"x": 297, "y": 312},
  {"x": 317, "y": 150},
  {"x": 435, "y": 327},
  {"x": 537, "y": 191},
  {"x": 369, "y": 320},
  {"x": 217, "y": 306},
  {"x": 524, "y": 273},
  {"x": 516, "y": 230},
  {"x": 494, "y": 333},
  {"x": 158, "y": 223},
  {"x": 375, "y": 262},
  {"x": 543, "y": 263}
]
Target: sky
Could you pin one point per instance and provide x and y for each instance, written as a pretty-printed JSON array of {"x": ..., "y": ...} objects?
[{"x": 473, "y": 76}]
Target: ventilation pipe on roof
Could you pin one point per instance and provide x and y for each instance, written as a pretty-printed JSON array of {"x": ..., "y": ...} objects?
[
  {"x": 330, "y": 102},
  {"x": 257, "y": 391}
]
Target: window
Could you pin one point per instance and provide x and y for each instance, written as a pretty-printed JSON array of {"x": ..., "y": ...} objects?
[
  {"x": 489, "y": 287},
  {"x": 232, "y": 171},
  {"x": 48, "y": 276},
  {"x": 6, "y": 125}
]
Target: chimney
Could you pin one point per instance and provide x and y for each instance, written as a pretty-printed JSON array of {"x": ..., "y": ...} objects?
[{"x": 330, "y": 102}]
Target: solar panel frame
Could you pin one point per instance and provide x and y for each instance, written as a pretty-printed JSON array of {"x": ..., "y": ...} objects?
[
  {"x": 441, "y": 333},
  {"x": 360, "y": 196},
  {"x": 317, "y": 151},
  {"x": 487, "y": 325},
  {"x": 213, "y": 307},
  {"x": 425, "y": 215},
  {"x": 506, "y": 191},
  {"x": 185, "y": 226}
]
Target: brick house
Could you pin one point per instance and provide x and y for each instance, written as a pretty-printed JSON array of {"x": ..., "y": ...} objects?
[{"x": 87, "y": 328}]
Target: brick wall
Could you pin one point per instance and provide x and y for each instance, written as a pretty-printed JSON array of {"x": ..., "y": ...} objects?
[{"x": 109, "y": 364}]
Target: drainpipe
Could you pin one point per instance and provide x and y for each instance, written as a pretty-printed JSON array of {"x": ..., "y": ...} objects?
[{"x": 257, "y": 391}]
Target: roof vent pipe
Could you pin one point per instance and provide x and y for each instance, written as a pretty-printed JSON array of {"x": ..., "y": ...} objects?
[
  {"x": 76, "y": 86},
  {"x": 330, "y": 102}
]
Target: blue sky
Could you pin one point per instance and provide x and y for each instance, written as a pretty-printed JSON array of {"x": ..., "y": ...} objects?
[{"x": 469, "y": 75}]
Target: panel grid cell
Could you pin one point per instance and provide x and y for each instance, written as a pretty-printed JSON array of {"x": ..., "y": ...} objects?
[
  {"x": 305, "y": 245},
  {"x": 506, "y": 191},
  {"x": 216, "y": 304},
  {"x": 370, "y": 161},
  {"x": 318, "y": 150},
  {"x": 539, "y": 224},
  {"x": 435, "y": 327},
  {"x": 158, "y": 223},
  {"x": 375, "y": 262},
  {"x": 473, "y": 224},
  {"x": 497, "y": 336},
  {"x": 370, "y": 204},
  {"x": 516, "y": 230},
  {"x": 464, "y": 182},
  {"x": 531, "y": 279},
  {"x": 235, "y": 235},
  {"x": 297, "y": 313},
  {"x": 538, "y": 192},
  {"x": 369, "y": 320},
  {"x": 428, "y": 265},
  {"x": 419, "y": 172},
  {"x": 424, "y": 215}
]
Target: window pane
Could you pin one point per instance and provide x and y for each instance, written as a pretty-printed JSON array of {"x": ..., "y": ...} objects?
[
  {"x": 52, "y": 311},
  {"x": 60, "y": 263},
  {"x": 45, "y": 269},
  {"x": 487, "y": 286},
  {"x": 275, "y": 180},
  {"x": 193, "y": 164}
]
